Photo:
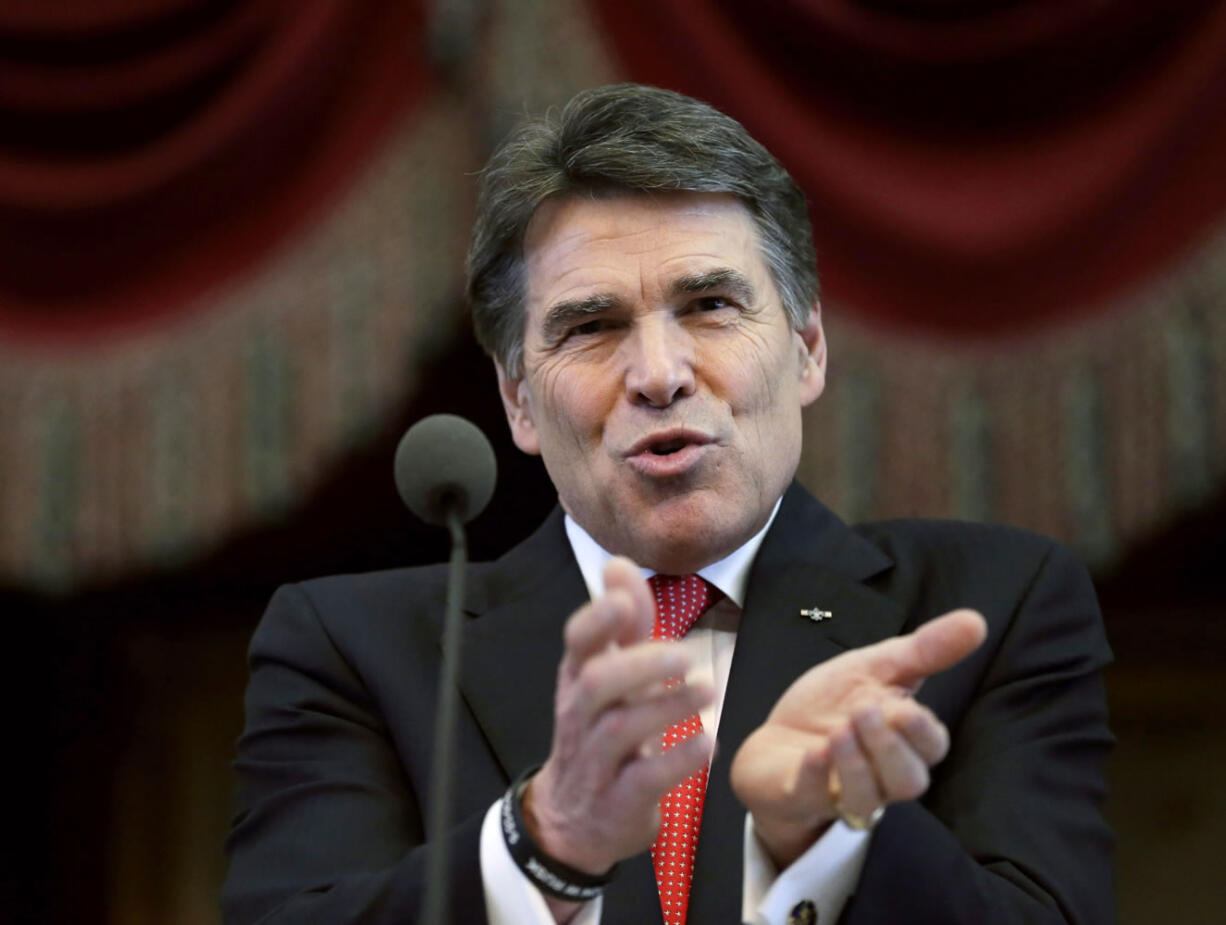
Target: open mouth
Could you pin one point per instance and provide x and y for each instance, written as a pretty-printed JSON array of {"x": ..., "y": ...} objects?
[
  {"x": 668, "y": 447},
  {"x": 669, "y": 452}
]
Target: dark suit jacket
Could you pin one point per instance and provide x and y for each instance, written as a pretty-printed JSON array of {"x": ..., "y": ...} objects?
[{"x": 335, "y": 759}]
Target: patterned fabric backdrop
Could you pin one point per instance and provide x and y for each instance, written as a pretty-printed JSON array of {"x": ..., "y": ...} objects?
[{"x": 140, "y": 440}]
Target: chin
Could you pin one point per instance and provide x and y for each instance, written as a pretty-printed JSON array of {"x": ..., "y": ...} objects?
[{"x": 679, "y": 546}]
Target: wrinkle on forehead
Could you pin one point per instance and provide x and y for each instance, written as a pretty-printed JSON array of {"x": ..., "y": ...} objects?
[
  {"x": 553, "y": 237},
  {"x": 678, "y": 203}
]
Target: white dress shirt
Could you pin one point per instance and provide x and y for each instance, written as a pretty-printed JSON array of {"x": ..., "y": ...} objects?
[{"x": 826, "y": 874}]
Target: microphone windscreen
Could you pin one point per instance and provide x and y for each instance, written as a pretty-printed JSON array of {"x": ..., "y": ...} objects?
[{"x": 445, "y": 461}]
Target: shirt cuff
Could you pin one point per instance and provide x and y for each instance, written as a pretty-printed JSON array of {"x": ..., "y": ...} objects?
[
  {"x": 510, "y": 897},
  {"x": 825, "y": 875}
]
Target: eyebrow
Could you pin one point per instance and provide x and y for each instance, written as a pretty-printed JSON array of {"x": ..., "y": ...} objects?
[
  {"x": 562, "y": 316},
  {"x": 731, "y": 281}
]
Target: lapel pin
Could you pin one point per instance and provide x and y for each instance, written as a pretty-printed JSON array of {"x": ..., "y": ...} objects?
[{"x": 816, "y": 614}]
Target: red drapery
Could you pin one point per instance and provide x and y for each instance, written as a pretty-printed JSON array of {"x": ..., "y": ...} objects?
[
  {"x": 151, "y": 149},
  {"x": 974, "y": 168}
]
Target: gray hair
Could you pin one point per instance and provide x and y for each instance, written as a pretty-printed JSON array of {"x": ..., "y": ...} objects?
[{"x": 625, "y": 139}]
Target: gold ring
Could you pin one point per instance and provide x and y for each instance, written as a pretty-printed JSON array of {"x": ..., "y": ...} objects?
[{"x": 850, "y": 819}]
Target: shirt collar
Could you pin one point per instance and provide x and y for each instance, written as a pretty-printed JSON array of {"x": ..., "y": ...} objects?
[{"x": 730, "y": 574}]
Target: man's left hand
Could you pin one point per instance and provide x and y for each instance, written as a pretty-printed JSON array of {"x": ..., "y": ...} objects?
[{"x": 852, "y": 719}]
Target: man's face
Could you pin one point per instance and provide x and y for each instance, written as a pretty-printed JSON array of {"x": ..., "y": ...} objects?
[{"x": 662, "y": 382}]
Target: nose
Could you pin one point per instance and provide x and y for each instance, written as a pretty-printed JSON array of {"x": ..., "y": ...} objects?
[{"x": 660, "y": 362}]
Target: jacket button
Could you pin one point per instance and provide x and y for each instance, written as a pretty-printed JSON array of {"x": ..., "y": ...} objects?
[{"x": 803, "y": 913}]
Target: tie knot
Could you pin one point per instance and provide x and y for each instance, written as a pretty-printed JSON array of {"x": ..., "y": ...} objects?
[{"x": 680, "y": 601}]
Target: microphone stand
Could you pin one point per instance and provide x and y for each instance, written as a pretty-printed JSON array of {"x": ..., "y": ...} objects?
[{"x": 435, "y": 903}]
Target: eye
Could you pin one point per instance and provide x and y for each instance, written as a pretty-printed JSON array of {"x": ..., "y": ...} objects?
[
  {"x": 595, "y": 326},
  {"x": 712, "y": 303}
]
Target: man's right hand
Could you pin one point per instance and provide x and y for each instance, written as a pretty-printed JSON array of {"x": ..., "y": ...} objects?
[{"x": 596, "y": 799}]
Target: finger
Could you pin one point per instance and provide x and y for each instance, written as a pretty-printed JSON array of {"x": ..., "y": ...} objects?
[
  {"x": 617, "y": 675},
  {"x": 592, "y": 627},
  {"x": 622, "y": 574},
  {"x": 620, "y": 734},
  {"x": 900, "y": 773},
  {"x": 935, "y": 646},
  {"x": 858, "y": 792},
  {"x": 654, "y": 775},
  {"x": 623, "y": 615},
  {"x": 921, "y": 728}
]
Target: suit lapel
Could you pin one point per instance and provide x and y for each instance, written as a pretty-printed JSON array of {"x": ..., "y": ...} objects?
[
  {"x": 808, "y": 559},
  {"x": 513, "y": 644}
]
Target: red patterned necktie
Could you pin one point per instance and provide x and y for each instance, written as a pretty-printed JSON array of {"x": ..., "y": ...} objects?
[{"x": 680, "y": 600}]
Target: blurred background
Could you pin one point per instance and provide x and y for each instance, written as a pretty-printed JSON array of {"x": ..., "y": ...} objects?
[{"x": 231, "y": 244}]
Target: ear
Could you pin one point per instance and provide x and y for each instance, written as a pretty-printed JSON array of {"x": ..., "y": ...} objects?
[
  {"x": 516, "y": 403},
  {"x": 811, "y": 346}
]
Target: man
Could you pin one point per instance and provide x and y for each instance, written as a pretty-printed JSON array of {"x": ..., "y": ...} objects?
[{"x": 642, "y": 273}]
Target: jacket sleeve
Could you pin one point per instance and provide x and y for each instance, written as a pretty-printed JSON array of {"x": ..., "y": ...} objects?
[
  {"x": 328, "y": 828},
  {"x": 1011, "y": 829}
]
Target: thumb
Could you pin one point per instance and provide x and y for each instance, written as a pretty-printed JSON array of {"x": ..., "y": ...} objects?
[{"x": 935, "y": 646}]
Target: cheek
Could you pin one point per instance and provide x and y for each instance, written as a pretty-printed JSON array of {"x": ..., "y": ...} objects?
[
  {"x": 573, "y": 401},
  {"x": 756, "y": 378},
  {"x": 759, "y": 382}
]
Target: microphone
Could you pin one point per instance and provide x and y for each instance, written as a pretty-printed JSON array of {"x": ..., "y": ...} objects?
[
  {"x": 445, "y": 463},
  {"x": 445, "y": 473}
]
